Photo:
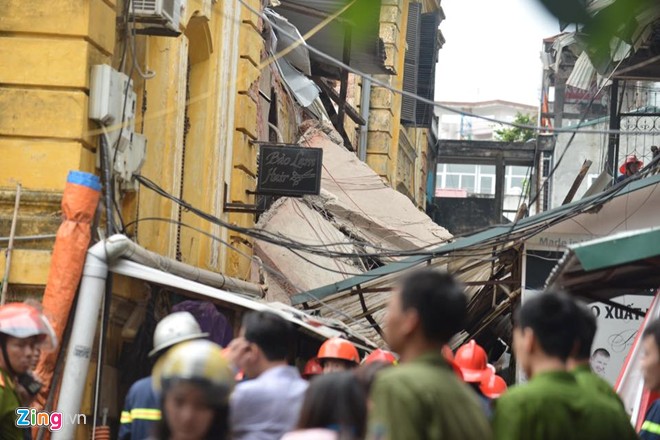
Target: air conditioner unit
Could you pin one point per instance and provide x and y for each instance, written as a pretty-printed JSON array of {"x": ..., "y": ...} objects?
[{"x": 155, "y": 14}]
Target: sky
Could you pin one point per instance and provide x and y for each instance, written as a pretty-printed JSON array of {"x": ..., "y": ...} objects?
[{"x": 492, "y": 50}]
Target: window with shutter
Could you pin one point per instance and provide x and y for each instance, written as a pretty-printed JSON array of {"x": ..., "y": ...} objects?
[
  {"x": 408, "y": 104},
  {"x": 428, "y": 57}
]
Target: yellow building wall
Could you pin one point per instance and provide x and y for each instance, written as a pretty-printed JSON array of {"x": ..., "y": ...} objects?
[
  {"x": 46, "y": 48},
  {"x": 200, "y": 118},
  {"x": 385, "y": 105}
]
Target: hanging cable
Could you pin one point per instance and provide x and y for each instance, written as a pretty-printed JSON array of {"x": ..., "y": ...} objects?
[{"x": 412, "y": 95}]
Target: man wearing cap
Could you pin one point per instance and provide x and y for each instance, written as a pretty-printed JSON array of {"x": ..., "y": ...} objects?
[
  {"x": 631, "y": 166},
  {"x": 142, "y": 406}
]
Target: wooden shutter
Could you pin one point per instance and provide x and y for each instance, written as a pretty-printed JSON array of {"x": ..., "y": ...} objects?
[
  {"x": 408, "y": 104},
  {"x": 428, "y": 57}
]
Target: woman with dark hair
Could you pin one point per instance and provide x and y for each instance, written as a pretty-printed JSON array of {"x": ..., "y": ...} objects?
[
  {"x": 195, "y": 382},
  {"x": 335, "y": 408}
]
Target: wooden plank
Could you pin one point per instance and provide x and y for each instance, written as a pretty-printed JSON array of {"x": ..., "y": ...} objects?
[
  {"x": 500, "y": 170},
  {"x": 578, "y": 181},
  {"x": 351, "y": 111}
]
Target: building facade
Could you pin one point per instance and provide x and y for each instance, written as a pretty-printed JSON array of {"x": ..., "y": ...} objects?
[{"x": 208, "y": 91}]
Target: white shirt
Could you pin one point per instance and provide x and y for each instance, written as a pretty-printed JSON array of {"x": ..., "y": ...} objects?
[{"x": 267, "y": 407}]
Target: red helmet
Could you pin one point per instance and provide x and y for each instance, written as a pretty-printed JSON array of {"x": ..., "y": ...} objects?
[
  {"x": 312, "y": 368},
  {"x": 379, "y": 355},
  {"x": 473, "y": 362},
  {"x": 23, "y": 321},
  {"x": 449, "y": 357},
  {"x": 338, "y": 348},
  {"x": 630, "y": 159},
  {"x": 492, "y": 386}
]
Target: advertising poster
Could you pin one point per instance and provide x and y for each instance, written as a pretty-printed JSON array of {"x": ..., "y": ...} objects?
[{"x": 616, "y": 334}]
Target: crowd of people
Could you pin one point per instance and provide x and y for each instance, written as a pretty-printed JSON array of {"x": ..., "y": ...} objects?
[{"x": 248, "y": 391}]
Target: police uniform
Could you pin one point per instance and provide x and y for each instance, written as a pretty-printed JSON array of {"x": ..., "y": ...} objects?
[
  {"x": 8, "y": 403},
  {"x": 552, "y": 406},
  {"x": 424, "y": 400},
  {"x": 141, "y": 411},
  {"x": 593, "y": 382}
]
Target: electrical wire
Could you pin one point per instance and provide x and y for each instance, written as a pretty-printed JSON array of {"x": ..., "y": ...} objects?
[
  {"x": 422, "y": 99},
  {"x": 266, "y": 267}
]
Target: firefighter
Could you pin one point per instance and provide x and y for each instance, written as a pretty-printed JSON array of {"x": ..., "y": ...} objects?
[
  {"x": 379, "y": 355},
  {"x": 142, "y": 406},
  {"x": 338, "y": 354},
  {"x": 195, "y": 382},
  {"x": 23, "y": 331},
  {"x": 472, "y": 360}
]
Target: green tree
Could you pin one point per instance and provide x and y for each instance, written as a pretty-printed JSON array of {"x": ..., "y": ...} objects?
[{"x": 516, "y": 134}]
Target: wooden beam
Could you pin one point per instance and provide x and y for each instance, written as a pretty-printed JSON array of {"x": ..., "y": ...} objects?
[
  {"x": 500, "y": 171},
  {"x": 351, "y": 111},
  {"x": 578, "y": 180},
  {"x": 514, "y": 153}
]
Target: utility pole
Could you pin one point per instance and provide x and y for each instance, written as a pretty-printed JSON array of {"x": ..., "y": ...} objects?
[{"x": 615, "y": 124}]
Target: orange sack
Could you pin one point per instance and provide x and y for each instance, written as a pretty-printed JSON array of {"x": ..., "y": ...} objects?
[{"x": 79, "y": 202}]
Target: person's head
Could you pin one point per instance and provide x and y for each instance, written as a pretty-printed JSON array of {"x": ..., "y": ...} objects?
[
  {"x": 269, "y": 337},
  {"x": 195, "y": 382},
  {"x": 655, "y": 150},
  {"x": 631, "y": 166},
  {"x": 428, "y": 307},
  {"x": 337, "y": 354},
  {"x": 24, "y": 332},
  {"x": 173, "y": 329},
  {"x": 584, "y": 337},
  {"x": 599, "y": 360},
  {"x": 544, "y": 331},
  {"x": 651, "y": 355},
  {"x": 335, "y": 401}
]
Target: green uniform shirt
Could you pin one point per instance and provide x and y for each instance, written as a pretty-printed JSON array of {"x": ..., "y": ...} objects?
[
  {"x": 8, "y": 404},
  {"x": 424, "y": 400},
  {"x": 552, "y": 406},
  {"x": 593, "y": 382}
]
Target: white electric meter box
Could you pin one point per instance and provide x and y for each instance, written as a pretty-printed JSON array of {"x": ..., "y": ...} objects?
[
  {"x": 165, "y": 14},
  {"x": 107, "y": 88},
  {"x": 112, "y": 103}
]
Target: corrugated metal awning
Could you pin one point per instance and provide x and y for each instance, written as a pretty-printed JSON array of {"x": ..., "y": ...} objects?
[
  {"x": 367, "y": 51},
  {"x": 609, "y": 267}
]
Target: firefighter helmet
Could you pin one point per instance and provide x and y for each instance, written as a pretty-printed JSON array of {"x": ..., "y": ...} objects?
[
  {"x": 200, "y": 362},
  {"x": 471, "y": 358},
  {"x": 380, "y": 355},
  {"x": 23, "y": 321},
  {"x": 175, "y": 328},
  {"x": 492, "y": 386},
  {"x": 338, "y": 348},
  {"x": 312, "y": 368}
]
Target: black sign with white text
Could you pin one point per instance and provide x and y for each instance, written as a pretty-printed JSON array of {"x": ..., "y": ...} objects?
[{"x": 289, "y": 170}]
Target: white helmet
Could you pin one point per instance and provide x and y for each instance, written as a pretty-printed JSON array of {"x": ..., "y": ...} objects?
[
  {"x": 174, "y": 328},
  {"x": 201, "y": 362}
]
